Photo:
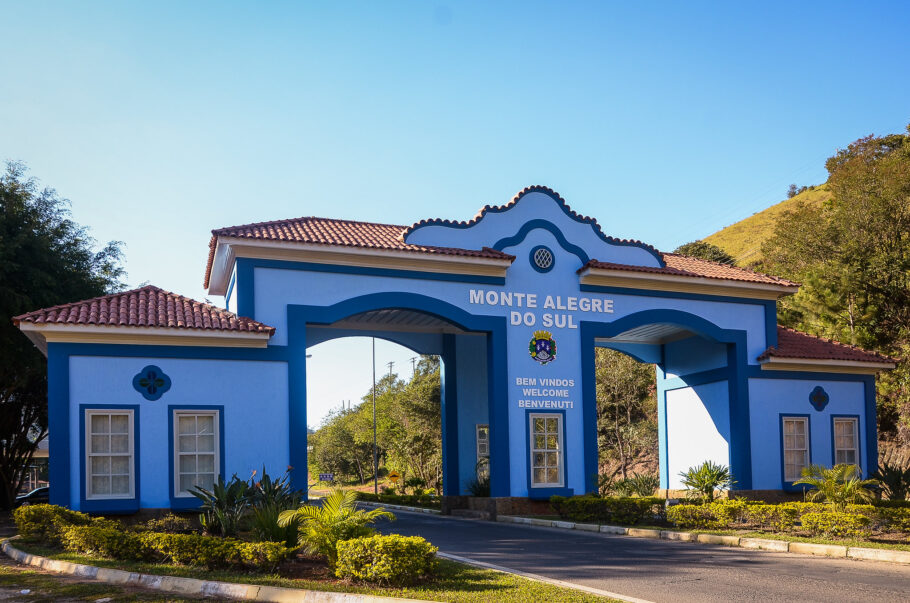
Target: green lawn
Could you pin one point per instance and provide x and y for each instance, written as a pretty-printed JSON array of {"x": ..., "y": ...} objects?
[{"x": 455, "y": 581}]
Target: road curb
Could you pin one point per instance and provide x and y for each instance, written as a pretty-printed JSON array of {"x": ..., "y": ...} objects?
[
  {"x": 764, "y": 544},
  {"x": 190, "y": 586},
  {"x": 370, "y": 503}
]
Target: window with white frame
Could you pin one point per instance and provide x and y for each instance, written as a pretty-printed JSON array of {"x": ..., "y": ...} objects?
[
  {"x": 546, "y": 450},
  {"x": 196, "y": 450},
  {"x": 796, "y": 446},
  {"x": 483, "y": 441},
  {"x": 846, "y": 440},
  {"x": 109, "y": 454}
]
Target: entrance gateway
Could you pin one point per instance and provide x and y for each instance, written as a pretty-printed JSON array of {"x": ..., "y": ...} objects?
[{"x": 151, "y": 392}]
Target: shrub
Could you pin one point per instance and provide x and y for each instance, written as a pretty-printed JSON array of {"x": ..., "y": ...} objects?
[
  {"x": 169, "y": 524},
  {"x": 834, "y": 523},
  {"x": 622, "y": 511},
  {"x": 779, "y": 518},
  {"x": 894, "y": 480},
  {"x": 322, "y": 527},
  {"x": 423, "y": 500},
  {"x": 837, "y": 486},
  {"x": 269, "y": 498},
  {"x": 223, "y": 506},
  {"x": 104, "y": 541},
  {"x": 702, "y": 481},
  {"x": 396, "y": 560},
  {"x": 214, "y": 552},
  {"x": 44, "y": 522},
  {"x": 692, "y": 516}
]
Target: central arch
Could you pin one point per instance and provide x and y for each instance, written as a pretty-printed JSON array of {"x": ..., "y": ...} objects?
[{"x": 301, "y": 318}]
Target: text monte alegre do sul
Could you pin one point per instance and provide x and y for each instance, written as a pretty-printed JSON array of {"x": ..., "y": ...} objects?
[{"x": 532, "y": 301}]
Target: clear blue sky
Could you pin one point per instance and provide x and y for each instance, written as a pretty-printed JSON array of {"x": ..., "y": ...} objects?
[{"x": 161, "y": 121}]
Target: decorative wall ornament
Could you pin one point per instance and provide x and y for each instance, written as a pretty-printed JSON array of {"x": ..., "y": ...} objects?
[
  {"x": 151, "y": 382},
  {"x": 819, "y": 398},
  {"x": 542, "y": 258},
  {"x": 542, "y": 347}
]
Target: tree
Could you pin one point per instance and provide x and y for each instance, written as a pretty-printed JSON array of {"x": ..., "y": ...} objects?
[
  {"x": 45, "y": 259},
  {"x": 852, "y": 256},
  {"x": 626, "y": 409},
  {"x": 705, "y": 251}
]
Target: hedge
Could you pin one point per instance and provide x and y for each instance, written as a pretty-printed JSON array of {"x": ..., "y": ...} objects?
[
  {"x": 609, "y": 510},
  {"x": 414, "y": 500},
  {"x": 392, "y": 559},
  {"x": 44, "y": 523},
  {"x": 834, "y": 523}
]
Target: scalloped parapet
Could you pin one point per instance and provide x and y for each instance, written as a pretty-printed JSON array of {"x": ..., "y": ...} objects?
[{"x": 503, "y": 226}]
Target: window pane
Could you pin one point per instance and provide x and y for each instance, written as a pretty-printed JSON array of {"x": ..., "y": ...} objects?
[
  {"x": 100, "y": 444},
  {"x": 552, "y": 443},
  {"x": 483, "y": 433},
  {"x": 101, "y": 423},
  {"x": 101, "y": 485},
  {"x": 540, "y": 442},
  {"x": 482, "y": 449},
  {"x": 539, "y": 476},
  {"x": 120, "y": 424},
  {"x": 205, "y": 443},
  {"x": 187, "y": 482},
  {"x": 186, "y": 424},
  {"x": 205, "y": 424},
  {"x": 187, "y": 444},
  {"x": 120, "y": 443},
  {"x": 120, "y": 484},
  {"x": 552, "y": 476},
  {"x": 538, "y": 426},
  {"x": 552, "y": 459},
  {"x": 187, "y": 463},
  {"x": 205, "y": 463},
  {"x": 120, "y": 464},
  {"x": 206, "y": 480},
  {"x": 101, "y": 465},
  {"x": 551, "y": 425}
]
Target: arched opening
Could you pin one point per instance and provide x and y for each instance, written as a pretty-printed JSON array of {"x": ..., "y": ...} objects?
[{"x": 698, "y": 397}]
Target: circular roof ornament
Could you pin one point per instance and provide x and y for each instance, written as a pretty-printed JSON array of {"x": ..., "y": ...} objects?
[{"x": 542, "y": 259}]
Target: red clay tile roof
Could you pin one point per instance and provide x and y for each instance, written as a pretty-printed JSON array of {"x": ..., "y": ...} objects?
[
  {"x": 681, "y": 265},
  {"x": 148, "y": 306},
  {"x": 346, "y": 233},
  {"x": 530, "y": 189},
  {"x": 796, "y": 344}
]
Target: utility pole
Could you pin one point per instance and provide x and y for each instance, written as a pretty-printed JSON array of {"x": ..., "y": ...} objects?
[
  {"x": 413, "y": 366},
  {"x": 375, "y": 453},
  {"x": 390, "y": 374}
]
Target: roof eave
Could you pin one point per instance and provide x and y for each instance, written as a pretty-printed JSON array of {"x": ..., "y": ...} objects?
[
  {"x": 228, "y": 249},
  {"x": 825, "y": 365},
  {"x": 590, "y": 275}
]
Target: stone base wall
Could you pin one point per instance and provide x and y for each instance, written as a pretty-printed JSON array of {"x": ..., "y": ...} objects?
[{"x": 491, "y": 507}]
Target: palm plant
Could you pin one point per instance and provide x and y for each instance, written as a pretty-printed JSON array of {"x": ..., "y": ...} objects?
[
  {"x": 479, "y": 485},
  {"x": 321, "y": 527},
  {"x": 839, "y": 486},
  {"x": 644, "y": 484},
  {"x": 702, "y": 481},
  {"x": 223, "y": 506},
  {"x": 895, "y": 481},
  {"x": 269, "y": 498}
]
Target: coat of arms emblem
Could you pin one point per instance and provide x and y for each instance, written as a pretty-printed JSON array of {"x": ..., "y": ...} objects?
[{"x": 542, "y": 347}]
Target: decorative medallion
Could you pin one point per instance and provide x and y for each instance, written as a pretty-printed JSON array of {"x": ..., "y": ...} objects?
[
  {"x": 542, "y": 259},
  {"x": 819, "y": 398},
  {"x": 151, "y": 382},
  {"x": 542, "y": 347}
]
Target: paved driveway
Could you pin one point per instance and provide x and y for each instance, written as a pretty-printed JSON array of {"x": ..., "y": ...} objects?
[{"x": 659, "y": 570}]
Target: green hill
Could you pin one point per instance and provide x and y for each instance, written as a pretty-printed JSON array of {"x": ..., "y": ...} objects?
[{"x": 743, "y": 240}]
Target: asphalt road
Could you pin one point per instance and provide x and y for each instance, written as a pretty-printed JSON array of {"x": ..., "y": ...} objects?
[{"x": 659, "y": 570}]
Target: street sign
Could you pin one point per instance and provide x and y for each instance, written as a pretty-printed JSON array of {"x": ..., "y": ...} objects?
[
  {"x": 326, "y": 477},
  {"x": 394, "y": 476}
]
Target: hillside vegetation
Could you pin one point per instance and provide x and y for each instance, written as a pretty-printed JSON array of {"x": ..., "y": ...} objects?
[{"x": 743, "y": 240}]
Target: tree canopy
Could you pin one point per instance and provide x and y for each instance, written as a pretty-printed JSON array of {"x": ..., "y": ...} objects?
[
  {"x": 705, "y": 251},
  {"x": 45, "y": 259},
  {"x": 852, "y": 257}
]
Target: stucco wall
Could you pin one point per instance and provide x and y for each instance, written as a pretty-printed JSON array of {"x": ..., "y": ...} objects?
[
  {"x": 769, "y": 398},
  {"x": 698, "y": 428},
  {"x": 254, "y": 396}
]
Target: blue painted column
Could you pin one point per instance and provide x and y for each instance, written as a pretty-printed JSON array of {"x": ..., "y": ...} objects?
[
  {"x": 297, "y": 428},
  {"x": 589, "y": 406},
  {"x": 498, "y": 396},
  {"x": 740, "y": 426},
  {"x": 451, "y": 485},
  {"x": 58, "y": 419}
]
